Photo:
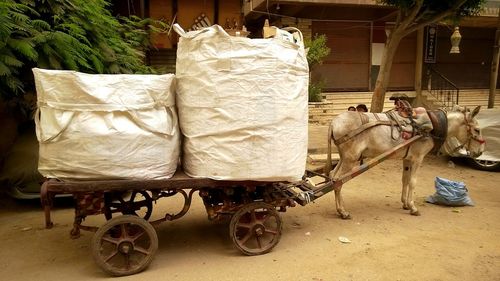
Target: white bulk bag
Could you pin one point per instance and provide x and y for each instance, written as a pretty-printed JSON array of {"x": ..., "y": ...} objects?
[
  {"x": 106, "y": 126},
  {"x": 243, "y": 106}
]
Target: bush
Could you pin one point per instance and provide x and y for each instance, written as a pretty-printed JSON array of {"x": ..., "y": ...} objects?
[
  {"x": 315, "y": 90},
  {"x": 76, "y": 35},
  {"x": 317, "y": 50}
]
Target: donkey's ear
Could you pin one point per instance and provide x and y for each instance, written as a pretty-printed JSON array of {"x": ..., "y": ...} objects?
[
  {"x": 475, "y": 111},
  {"x": 458, "y": 108}
]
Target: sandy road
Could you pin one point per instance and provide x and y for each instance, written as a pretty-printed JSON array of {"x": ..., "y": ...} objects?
[{"x": 387, "y": 243}]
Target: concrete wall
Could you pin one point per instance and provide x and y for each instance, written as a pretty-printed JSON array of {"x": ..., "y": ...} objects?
[{"x": 304, "y": 25}]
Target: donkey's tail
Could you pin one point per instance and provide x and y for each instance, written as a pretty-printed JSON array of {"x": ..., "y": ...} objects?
[{"x": 328, "y": 166}]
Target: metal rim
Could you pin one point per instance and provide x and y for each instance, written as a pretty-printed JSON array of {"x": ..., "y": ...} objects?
[
  {"x": 124, "y": 245},
  {"x": 486, "y": 163},
  {"x": 256, "y": 228}
]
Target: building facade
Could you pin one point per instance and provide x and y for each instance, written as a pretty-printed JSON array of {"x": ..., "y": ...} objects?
[{"x": 356, "y": 32}]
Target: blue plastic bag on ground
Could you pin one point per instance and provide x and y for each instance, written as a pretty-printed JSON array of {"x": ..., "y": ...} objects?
[{"x": 450, "y": 193}]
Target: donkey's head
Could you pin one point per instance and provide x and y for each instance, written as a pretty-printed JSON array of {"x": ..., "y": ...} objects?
[{"x": 464, "y": 131}]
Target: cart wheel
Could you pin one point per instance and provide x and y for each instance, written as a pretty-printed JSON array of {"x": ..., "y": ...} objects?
[
  {"x": 139, "y": 203},
  {"x": 256, "y": 228},
  {"x": 124, "y": 245}
]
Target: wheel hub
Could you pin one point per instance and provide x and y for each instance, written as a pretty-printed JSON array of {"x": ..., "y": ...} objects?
[
  {"x": 125, "y": 247},
  {"x": 259, "y": 230}
]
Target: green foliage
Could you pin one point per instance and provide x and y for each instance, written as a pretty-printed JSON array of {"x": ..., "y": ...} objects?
[
  {"x": 317, "y": 50},
  {"x": 431, "y": 8},
  {"x": 315, "y": 90},
  {"x": 411, "y": 16},
  {"x": 77, "y": 35}
]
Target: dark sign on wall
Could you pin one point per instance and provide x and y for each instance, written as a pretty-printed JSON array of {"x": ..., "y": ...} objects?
[{"x": 430, "y": 44}]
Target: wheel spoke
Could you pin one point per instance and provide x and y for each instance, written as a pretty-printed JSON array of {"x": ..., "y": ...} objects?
[
  {"x": 110, "y": 239},
  {"x": 115, "y": 205},
  {"x": 274, "y": 232},
  {"x": 127, "y": 261},
  {"x": 132, "y": 197},
  {"x": 245, "y": 225},
  {"x": 123, "y": 229},
  {"x": 257, "y": 237},
  {"x": 106, "y": 259},
  {"x": 265, "y": 216},
  {"x": 143, "y": 203},
  {"x": 141, "y": 250},
  {"x": 137, "y": 236},
  {"x": 245, "y": 239},
  {"x": 252, "y": 216}
]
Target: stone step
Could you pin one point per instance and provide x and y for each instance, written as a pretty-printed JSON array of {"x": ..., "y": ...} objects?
[
  {"x": 322, "y": 117},
  {"x": 473, "y": 99},
  {"x": 337, "y": 102},
  {"x": 368, "y": 95},
  {"x": 322, "y": 114},
  {"x": 344, "y": 104},
  {"x": 316, "y": 162},
  {"x": 338, "y": 109}
]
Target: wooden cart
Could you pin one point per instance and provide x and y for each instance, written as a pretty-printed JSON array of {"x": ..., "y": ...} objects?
[{"x": 126, "y": 243}]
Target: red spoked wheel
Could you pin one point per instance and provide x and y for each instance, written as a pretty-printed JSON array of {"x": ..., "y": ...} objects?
[
  {"x": 256, "y": 228},
  {"x": 124, "y": 245}
]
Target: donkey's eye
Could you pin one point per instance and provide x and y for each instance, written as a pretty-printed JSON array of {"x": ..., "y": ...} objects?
[{"x": 477, "y": 131}]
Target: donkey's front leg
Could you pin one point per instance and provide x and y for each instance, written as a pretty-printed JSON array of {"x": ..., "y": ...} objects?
[
  {"x": 405, "y": 182},
  {"x": 411, "y": 187}
]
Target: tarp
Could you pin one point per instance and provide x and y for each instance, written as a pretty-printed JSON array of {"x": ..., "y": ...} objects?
[
  {"x": 243, "y": 106},
  {"x": 450, "y": 193},
  {"x": 105, "y": 126},
  {"x": 489, "y": 122}
]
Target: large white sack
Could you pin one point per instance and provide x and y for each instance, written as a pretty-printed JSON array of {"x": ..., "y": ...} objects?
[
  {"x": 106, "y": 126},
  {"x": 243, "y": 106}
]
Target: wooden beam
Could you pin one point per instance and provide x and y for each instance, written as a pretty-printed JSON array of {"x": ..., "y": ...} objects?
[{"x": 419, "y": 65}]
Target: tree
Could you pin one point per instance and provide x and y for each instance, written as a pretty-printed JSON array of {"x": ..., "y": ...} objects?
[
  {"x": 76, "y": 35},
  {"x": 316, "y": 51},
  {"x": 411, "y": 16}
]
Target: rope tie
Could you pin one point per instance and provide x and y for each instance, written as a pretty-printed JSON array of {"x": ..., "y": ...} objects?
[{"x": 308, "y": 196}]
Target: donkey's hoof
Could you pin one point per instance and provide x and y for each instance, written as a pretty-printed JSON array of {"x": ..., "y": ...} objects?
[
  {"x": 345, "y": 216},
  {"x": 406, "y": 207},
  {"x": 416, "y": 213}
]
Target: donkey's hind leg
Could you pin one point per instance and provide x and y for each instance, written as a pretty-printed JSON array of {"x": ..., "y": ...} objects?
[
  {"x": 334, "y": 172},
  {"x": 339, "y": 201},
  {"x": 345, "y": 165}
]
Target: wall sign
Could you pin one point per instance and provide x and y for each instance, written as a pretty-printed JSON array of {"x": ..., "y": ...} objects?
[{"x": 430, "y": 44}]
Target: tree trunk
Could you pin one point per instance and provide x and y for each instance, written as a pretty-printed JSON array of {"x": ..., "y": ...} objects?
[
  {"x": 384, "y": 74},
  {"x": 494, "y": 66}
]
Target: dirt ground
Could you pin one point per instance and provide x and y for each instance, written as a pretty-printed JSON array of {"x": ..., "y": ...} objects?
[{"x": 445, "y": 243}]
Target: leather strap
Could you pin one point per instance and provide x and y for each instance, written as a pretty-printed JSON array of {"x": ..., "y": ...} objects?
[
  {"x": 359, "y": 130},
  {"x": 440, "y": 128}
]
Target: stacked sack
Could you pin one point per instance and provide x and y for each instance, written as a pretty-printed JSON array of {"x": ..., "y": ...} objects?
[
  {"x": 242, "y": 106},
  {"x": 93, "y": 126}
]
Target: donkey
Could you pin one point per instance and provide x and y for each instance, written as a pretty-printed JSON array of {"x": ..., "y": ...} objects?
[{"x": 354, "y": 144}]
